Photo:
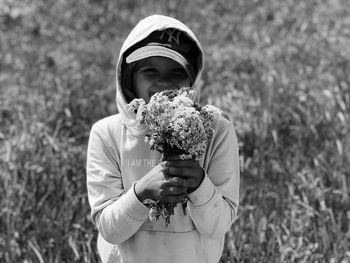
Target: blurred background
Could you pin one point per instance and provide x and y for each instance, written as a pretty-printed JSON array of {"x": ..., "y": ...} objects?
[{"x": 278, "y": 69}]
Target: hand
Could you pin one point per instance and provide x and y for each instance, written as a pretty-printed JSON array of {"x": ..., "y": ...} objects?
[
  {"x": 188, "y": 170},
  {"x": 158, "y": 185}
]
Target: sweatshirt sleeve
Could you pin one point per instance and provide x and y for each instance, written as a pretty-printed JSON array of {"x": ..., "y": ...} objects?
[
  {"x": 214, "y": 204},
  {"x": 117, "y": 213}
]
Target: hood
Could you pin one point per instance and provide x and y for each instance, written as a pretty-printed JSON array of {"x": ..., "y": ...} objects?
[{"x": 142, "y": 30}]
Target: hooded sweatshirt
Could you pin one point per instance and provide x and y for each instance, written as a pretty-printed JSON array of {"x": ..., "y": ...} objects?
[{"x": 118, "y": 157}]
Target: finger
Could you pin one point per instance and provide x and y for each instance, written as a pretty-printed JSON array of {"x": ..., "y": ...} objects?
[
  {"x": 174, "y": 181},
  {"x": 172, "y": 198},
  {"x": 191, "y": 183},
  {"x": 181, "y": 163},
  {"x": 173, "y": 157},
  {"x": 182, "y": 172},
  {"x": 175, "y": 190},
  {"x": 185, "y": 183}
]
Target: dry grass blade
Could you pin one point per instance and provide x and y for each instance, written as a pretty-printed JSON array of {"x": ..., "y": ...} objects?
[{"x": 36, "y": 251}]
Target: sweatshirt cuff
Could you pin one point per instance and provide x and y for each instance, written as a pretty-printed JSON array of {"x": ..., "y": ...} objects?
[
  {"x": 133, "y": 207},
  {"x": 203, "y": 194}
]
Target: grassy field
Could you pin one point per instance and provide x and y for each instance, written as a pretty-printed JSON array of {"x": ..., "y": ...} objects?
[{"x": 279, "y": 70}]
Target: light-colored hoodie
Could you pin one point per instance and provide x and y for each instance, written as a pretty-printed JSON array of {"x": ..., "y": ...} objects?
[{"x": 118, "y": 156}]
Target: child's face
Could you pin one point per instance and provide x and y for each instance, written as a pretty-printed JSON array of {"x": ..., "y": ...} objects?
[{"x": 156, "y": 74}]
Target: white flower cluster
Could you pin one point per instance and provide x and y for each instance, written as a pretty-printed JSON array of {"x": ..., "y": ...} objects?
[{"x": 176, "y": 123}]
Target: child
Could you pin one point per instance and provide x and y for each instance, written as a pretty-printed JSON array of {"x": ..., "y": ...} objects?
[{"x": 159, "y": 53}]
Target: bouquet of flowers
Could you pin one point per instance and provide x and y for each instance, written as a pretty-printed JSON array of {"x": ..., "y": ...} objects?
[{"x": 176, "y": 124}]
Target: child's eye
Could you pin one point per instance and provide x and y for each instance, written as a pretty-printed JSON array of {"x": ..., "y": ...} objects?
[
  {"x": 179, "y": 73},
  {"x": 149, "y": 71}
]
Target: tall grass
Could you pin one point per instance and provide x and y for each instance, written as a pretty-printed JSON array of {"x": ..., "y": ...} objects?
[{"x": 278, "y": 69}]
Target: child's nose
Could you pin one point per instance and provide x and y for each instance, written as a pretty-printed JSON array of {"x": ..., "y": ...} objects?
[{"x": 163, "y": 84}]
